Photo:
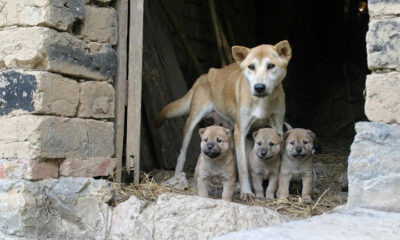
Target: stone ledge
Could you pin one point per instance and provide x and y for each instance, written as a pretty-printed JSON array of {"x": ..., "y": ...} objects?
[
  {"x": 374, "y": 169},
  {"x": 383, "y": 97},
  {"x": 37, "y": 92},
  {"x": 46, "y": 137},
  {"x": 383, "y": 8},
  {"x": 65, "y": 208},
  {"x": 46, "y": 49}
]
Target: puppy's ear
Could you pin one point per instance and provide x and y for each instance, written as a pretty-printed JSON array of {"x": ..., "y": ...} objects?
[
  {"x": 201, "y": 131},
  {"x": 255, "y": 134},
  {"x": 312, "y": 134},
  {"x": 284, "y": 50},
  {"x": 228, "y": 132},
  {"x": 239, "y": 53},
  {"x": 286, "y": 134},
  {"x": 280, "y": 136}
]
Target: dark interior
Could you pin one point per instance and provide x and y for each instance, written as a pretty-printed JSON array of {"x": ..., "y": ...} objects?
[{"x": 326, "y": 76}]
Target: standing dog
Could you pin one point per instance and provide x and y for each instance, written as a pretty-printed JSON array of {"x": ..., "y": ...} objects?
[
  {"x": 297, "y": 162},
  {"x": 216, "y": 161},
  {"x": 248, "y": 94},
  {"x": 264, "y": 161}
]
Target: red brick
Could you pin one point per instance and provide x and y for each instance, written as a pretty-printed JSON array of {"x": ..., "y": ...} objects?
[
  {"x": 92, "y": 167},
  {"x": 28, "y": 169}
]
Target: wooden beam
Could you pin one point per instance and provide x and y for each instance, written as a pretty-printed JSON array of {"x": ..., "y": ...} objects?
[
  {"x": 135, "y": 87},
  {"x": 120, "y": 84}
]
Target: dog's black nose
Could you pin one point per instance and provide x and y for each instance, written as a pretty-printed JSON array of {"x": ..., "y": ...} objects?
[
  {"x": 263, "y": 153},
  {"x": 210, "y": 145},
  {"x": 299, "y": 149},
  {"x": 259, "y": 87}
]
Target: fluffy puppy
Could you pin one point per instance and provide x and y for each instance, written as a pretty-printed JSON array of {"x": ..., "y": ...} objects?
[
  {"x": 297, "y": 162},
  {"x": 216, "y": 162},
  {"x": 264, "y": 161}
]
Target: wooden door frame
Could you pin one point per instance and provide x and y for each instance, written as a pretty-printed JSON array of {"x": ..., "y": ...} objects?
[{"x": 128, "y": 85}]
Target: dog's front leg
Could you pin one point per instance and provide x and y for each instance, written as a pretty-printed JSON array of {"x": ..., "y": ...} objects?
[
  {"x": 307, "y": 179},
  {"x": 241, "y": 130},
  {"x": 272, "y": 186},
  {"x": 202, "y": 186}
]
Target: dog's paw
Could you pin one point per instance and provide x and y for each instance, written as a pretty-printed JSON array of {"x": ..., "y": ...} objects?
[
  {"x": 247, "y": 197},
  {"x": 283, "y": 200},
  {"x": 260, "y": 196},
  {"x": 270, "y": 198},
  {"x": 306, "y": 199}
]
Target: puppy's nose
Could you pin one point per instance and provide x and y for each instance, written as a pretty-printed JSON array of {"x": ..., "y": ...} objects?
[
  {"x": 263, "y": 153},
  {"x": 259, "y": 87},
  {"x": 210, "y": 145},
  {"x": 299, "y": 149}
]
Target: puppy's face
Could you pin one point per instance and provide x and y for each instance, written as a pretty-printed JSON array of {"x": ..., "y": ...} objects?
[
  {"x": 215, "y": 141},
  {"x": 267, "y": 143},
  {"x": 264, "y": 66},
  {"x": 299, "y": 143}
]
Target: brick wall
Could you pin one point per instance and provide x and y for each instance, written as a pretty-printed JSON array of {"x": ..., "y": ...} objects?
[{"x": 56, "y": 96}]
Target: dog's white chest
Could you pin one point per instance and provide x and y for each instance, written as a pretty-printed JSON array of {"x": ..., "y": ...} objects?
[{"x": 260, "y": 111}]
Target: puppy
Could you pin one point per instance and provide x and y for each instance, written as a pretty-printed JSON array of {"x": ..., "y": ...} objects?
[
  {"x": 297, "y": 162},
  {"x": 216, "y": 161},
  {"x": 265, "y": 160}
]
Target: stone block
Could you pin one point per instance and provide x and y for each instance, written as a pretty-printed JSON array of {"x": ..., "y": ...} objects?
[
  {"x": 28, "y": 169},
  {"x": 47, "y": 137},
  {"x": 383, "y": 8},
  {"x": 58, "y": 14},
  {"x": 383, "y": 44},
  {"x": 96, "y": 100},
  {"x": 100, "y": 25},
  {"x": 46, "y": 49},
  {"x": 92, "y": 167},
  {"x": 383, "y": 97},
  {"x": 65, "y": 208},
  {"x": 37, "y": 92},
  {"x": 374, "y": 169},
  {"x": 176, "y": 216}
]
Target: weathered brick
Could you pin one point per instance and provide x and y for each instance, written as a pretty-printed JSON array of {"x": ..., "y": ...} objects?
[
  {"x": 96, "y": 100},
  {"x": 383, "y": 97},
  {"x": 383, "y": 44},
  {"x": 92, "y": 167},
  {"x": 37, "y": 92},
  {"x": 46, "y": 49},
  {"x": 383, "y": 8},
  {"x": 100, "y": 25},
  {"x": 47, "y": 137},
  {"x": 28, "y": 169},
  {"x": 59, "y": 14}
]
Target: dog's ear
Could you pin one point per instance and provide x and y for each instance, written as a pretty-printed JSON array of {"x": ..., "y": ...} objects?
[
  {"x": 284, "y": 50},
  {"x": 311, "y": 133},
  {"x": 201, "y": 131},
  {"x": 255, "y": 134},
  {"x": 286, "y": 134},
  {"x": 228, "y": 132},
  {"x": 239, "y": 53}
]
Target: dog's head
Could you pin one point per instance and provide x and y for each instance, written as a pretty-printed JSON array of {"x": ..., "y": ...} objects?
[
  {"x": 267, "y": 143},
  {"x": 299, "y": 143},
  {"x": 264, "y": 66},
  {"x": 215, "y": 141}
]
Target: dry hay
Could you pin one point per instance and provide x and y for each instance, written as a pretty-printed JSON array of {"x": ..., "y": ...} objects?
[{"x": 328, "y": 198}]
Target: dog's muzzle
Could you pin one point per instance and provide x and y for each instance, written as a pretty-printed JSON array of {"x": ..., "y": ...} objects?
[
  {"x": 259, "y": 90},
  {"x": 211, "y": 153}
]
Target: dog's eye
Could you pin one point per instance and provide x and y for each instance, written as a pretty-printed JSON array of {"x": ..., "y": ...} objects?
[
  {"x": 305, "y": 142},
  {"x": 219, "y": 140},
  {"x": 270, "y": 66},
  {"x": 205, "y": 139},
  {"x": 259, "y": 143},
  {"x": 271, "y": 144},
  {"x": 252, "y": 67},
  {"x": 292, "y": 142}
]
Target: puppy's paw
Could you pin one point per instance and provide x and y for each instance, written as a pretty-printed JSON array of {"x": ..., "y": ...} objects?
[
  {"x": 270, "y": 197},
  {"x": 283, "y": 200},
  {"x": 306, "y": 199},
  {"x": 260, "y": 196},
  {"x": 247, "y": 197}
]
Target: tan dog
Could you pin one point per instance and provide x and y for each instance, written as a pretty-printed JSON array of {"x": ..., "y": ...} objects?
[
  {"x": 248, "y": 94},
  {"x": 297, "y": 162},
  {"x": 264, "y": 161},
  {"x": 216, "y": 161}
]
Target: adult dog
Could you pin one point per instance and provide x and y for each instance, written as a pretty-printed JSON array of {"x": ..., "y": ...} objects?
[{"x": 248, "y": 94}]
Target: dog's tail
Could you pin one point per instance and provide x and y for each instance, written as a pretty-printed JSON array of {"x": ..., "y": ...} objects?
[{"x": 175, "y": 109}]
